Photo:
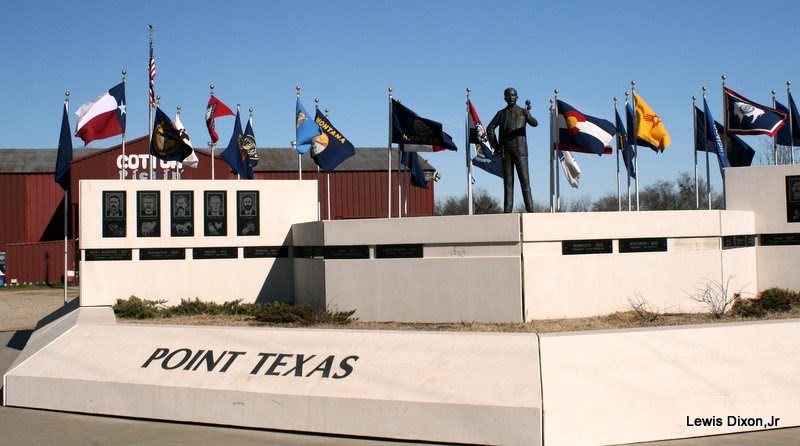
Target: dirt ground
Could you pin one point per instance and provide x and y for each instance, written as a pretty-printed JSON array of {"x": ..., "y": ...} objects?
[{"x": 22, "y": 307}]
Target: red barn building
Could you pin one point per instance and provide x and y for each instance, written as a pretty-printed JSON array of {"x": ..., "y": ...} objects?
[{"x": 32, "y": 204}]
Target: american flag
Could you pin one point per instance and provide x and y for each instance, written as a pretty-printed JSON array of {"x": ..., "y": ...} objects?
[{"x": 152, "y": 70}]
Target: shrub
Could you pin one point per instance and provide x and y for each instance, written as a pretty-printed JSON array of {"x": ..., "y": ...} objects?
[
  {"x": 771, "y": 300},
  {"x": 135, "y": 308}
]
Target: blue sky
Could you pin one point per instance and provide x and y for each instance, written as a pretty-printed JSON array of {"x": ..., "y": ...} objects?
[{"x": 348, "y": 53}]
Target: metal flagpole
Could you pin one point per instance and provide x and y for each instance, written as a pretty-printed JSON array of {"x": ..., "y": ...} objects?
[
  {"x": 723, "y": 169},
  {"x": 775, "y": 137},
  {"x": 469, "y": 160},
  {"x": 151, "y": 69},
  {"x": 696, "y": 180},
  {"x": 328, "y": 180},
  {"x": 299, "y": 157},
  {"x": 555, "y": 158},
  {"x": 212, "y": 144},
  {"x": 708, "y": 164},
  {"x": 791, "y": 130},
  {"x": 177, "y": 171},
  {"x": 635, "y": 146},
  {"x": 552, "y": 156},
  {"x": 66, "y": 220},
  {"x": 389, "y": 158},
  {"x": 635, "y": 153},
  {"x": 619, "y": 196},
  {"x": 319, "y": 183},
  {"x": 124, "y": 158}
]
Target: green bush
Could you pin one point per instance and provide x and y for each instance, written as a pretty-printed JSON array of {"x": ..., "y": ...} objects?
[
  {"x": 135, "y": 308},
  {"x": 771, "y": 300}
]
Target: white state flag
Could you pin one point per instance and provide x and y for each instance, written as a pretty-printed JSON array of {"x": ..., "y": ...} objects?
[
  {"x": 191, "y": 160},
  {"x": 570, "y": 166}
]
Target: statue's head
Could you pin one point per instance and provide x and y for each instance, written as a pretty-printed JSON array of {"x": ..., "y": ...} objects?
[{"x": 510, "y": 95}]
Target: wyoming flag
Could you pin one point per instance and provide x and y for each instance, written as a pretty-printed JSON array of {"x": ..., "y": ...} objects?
[{"x": 649, "y": 127}]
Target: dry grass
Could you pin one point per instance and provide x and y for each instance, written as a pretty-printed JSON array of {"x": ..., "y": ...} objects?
[{"x": 626, "y": 319}]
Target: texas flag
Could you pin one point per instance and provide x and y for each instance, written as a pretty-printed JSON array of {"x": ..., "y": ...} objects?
[
  {"x": 102, "y": 117},
  {"x": 583, "y": 133}
]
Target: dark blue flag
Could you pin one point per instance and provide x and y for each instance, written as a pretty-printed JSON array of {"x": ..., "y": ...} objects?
[
  {"x": 168, "y": 142},
  {"x": 745, "y": 117},
  {"x": 412, "y": 130},
  {"x": 64, "y": 157},
  {"x": 411, "y": 161},
  {"x": 792, "y": 126},
  {"x": 236, "y": 153},
  {"x": 737, "y": 152},
  {"x": 491, "y": 163},
  {"x": 712, "y": 135},
  {"x": 330, "y": 148},
  {"x": 628, "y": 154},
  {"x": 249, "y": 143}
]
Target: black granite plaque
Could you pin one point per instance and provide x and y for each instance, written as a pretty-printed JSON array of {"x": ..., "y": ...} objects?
[
  {"x": 148, "y": 210},
  {"x": 215, "y": 223},
  {"x": 572, "y": 247},
  {"x": 643, "y": 244},
  {"x": 91, "y": 255},
  {"x": 182, "y": 216},
  {"x": 162, "y": 254},
  {"x": 215, "y": 253},
  {"x": 114, "y": 220},
  {"x": 793, "y": 199},
  {"x": 347, "y": 252},
  {"x": 247, "y": 220},
  {"x": 398, "y": 252},
  {"x": 309, "y": 252},
  {"x": 738, "y": 241},
  {"x": 252, "y": 252},
  {"x": 779, "y": 239}
]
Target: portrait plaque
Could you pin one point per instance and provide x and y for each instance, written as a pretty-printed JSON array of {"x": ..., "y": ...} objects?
[
  {"x": 182, "y": 216},
  {"x": 214, "y": 222},
  {"x": 247, "y": 213},
  {"x": 793, "y": 199},
  {"x": 148, "y": 210},
  {"x": 114, "y": 221}
]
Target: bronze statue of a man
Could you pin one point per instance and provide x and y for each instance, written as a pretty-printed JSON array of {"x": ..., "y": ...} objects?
[{"x": 514, "y": 147}]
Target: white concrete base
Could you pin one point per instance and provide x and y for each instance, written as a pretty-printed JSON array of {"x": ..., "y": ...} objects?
[{"x": 432, "y": 386}]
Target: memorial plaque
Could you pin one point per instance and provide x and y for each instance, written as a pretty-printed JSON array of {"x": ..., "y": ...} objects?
[
  {"x": 214, "y": 223},
  {"x": 347, "y": 252},
  {"x": 148, "y": 210},
  {"x": 215, "y": 253},
  {"x": 251, "y": 252},
  {"x": 91, "y": 255},
  {"x": 182, "y": 216},
  {"x": 114, "y": 221},
  {"x": 398, "y": 251},
  {"x": 779, "y": 239},
  {"x": 572, "y": 247},
  {"x": 162, "y": 253},
  {"x": 247, "y": 217},
  {"x": 738, "y": 241},
  {"x": 643, "y": 244},
  {"x": 309, "y": 252},
  {"x": 793, "y": 199}
]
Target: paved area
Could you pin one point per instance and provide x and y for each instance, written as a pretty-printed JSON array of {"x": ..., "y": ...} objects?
[{"x": 21, "y": 311}]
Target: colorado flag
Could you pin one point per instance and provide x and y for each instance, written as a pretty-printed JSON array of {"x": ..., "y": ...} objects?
[{"x": 583, "y": 133}]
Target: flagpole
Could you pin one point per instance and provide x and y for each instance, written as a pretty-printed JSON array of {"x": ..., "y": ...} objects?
[
  {"x": 619, "y": 196},
  {"x": 66, "y": 218},
  {"x": 469, "y": 160},
  {"x": 635, "y": 137},
  {"x": 555, "y": 158},
  {"x": 389, "y": 153},
  {"x": 328, "y": 180},
  {"x": 150, "y": 104},
  {"x": 708, "y": 163},
  {"x": 775, "y": 137},
  {"x": 299, "y": 157},
  {"x": 791, "y": 130},
  {"x": 212, "y": 144},
  {"x": 723, "y": 168},
  {"x": 319, "y": 183},
  {"x": 635, "y": 152},
  {"x": 178, "y": 114},
  {"x": 124, "y": 159},
  {"x": 696, "y": 180},
  {"x": 552, "y": 154}
]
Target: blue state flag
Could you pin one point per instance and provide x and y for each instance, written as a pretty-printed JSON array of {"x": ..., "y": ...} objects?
[
  {"x": 490, "y": 163},
  {"x": 745, "y": 117},
  {"x": 420, "y": 133},
  {"x": 330, "y": 148},
  {"x": 628, "y": 153},
  {"x": 236, "y": 154},
  {"x": 411, "y": 161},
  {"x": 793, "y": 126},
  {"x": 64, "y": 158},
  {"x": 250, "y": 143},
  {"x": 307, "y": 129},
  {"x": 167, "y": 141},
  {"x": 712, "y": 135}
]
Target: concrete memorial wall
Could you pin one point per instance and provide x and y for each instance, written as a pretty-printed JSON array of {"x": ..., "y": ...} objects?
[{"x": 215, "y": 240}]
